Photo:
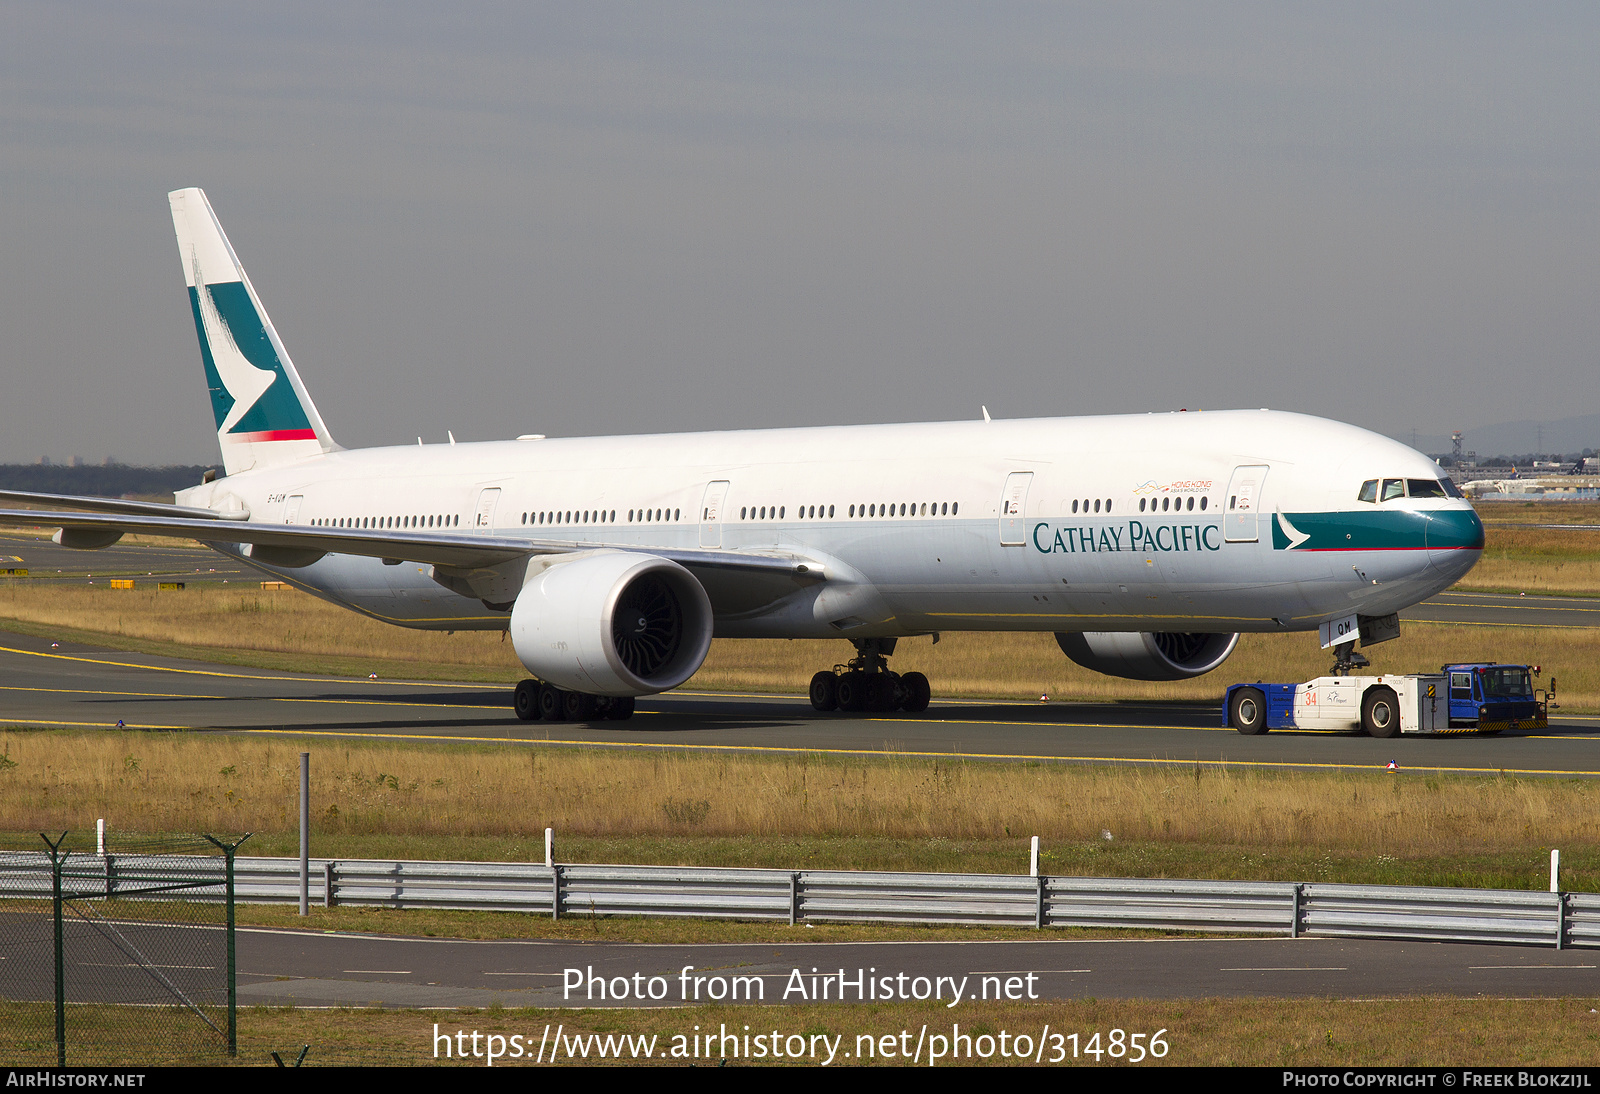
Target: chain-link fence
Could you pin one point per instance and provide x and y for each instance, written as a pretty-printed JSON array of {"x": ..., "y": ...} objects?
[{"x": 118, "y": 957}]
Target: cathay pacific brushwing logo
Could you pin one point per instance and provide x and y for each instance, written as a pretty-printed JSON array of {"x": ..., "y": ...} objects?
[
  {"x": 240, "y": 386},
  {"x": 244, "y": 382},
  {"x": 1296, "y": 536}
]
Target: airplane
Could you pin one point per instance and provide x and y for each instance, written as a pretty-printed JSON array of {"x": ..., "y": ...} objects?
[{"x": 1145, "y": 543}]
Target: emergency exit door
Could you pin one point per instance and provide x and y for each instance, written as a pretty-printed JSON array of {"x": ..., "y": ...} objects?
[{"x": 711, "y": 513}]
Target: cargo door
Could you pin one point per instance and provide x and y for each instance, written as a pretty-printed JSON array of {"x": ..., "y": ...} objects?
[
  {"x": 1013, "y": 509},
  {"x": 711, "y": 513},
  {"x": 1241, "y": 502}
]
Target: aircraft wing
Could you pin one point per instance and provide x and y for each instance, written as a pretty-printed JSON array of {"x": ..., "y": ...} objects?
[
  {"x": 121, "y": 505},
  {"x": 294, "y": 545}
]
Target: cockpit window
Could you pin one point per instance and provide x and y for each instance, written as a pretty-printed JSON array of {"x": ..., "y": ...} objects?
[
  {"x": 1369, "y": 491},
  {"x": 1451, "y": 489},
  {"x": 1393, "y": 488},
  {"x": 1425, "y": 488}
]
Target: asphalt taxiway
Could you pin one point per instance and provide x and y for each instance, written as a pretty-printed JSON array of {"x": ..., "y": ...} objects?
[
  {"x": 43, "y": 683},
  {"x": 300, "y": 968},
  {"x": 285, "y": 967}
]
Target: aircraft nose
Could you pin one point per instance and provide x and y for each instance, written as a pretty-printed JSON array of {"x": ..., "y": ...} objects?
[{"x": 1455, "y": 540}]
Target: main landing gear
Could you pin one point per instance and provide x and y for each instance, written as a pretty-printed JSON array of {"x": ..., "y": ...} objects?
[
  {"x": 867, "y": 684},
  {"x": 535, "y": 702}
]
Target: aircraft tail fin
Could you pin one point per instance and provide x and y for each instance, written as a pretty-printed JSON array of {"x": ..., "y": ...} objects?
[{"x": 265, "y": 418}]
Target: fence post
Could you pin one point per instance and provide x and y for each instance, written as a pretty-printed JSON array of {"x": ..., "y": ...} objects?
[
  {"x": 61, "y": 968},
  {"x": 305, "y": 833},
  {"x": 327, "y": 884},
  {"x": 794, "y": 897},
  {"x": 233, "y": 979},
  {"x": 228, "y": 852},
  {"x": 555, "y": 892},
  {"x": 1294, "y": 922}
]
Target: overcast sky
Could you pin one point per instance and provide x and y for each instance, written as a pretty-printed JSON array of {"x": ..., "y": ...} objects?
[{"x": 593, "y": 218}]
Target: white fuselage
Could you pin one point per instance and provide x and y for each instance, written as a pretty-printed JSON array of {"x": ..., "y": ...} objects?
[{"x": 1004, "y": 525}]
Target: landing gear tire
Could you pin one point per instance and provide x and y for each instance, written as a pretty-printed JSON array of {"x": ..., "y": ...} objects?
[
  {"x": 883, "y": 692},
  {"x": 550, "y": 704},
  {"x": 525, "y": 700},
  {"x": 918, "y": 692},
  {"x": 852, "y": 691},
  {"x": 1247, "y": 711},
  {"x": 825, "y": 691},
  {"x": 1380, "y": 713},
  {"x": 578, "y": 707},
  {"x": 620, "y": 710}
]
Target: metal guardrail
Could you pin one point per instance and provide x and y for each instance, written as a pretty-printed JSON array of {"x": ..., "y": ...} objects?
[{"x": 1411, "y": 913}]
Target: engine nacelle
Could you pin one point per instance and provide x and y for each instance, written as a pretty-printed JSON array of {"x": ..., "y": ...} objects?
[
  {"x": 1169, "y": 655},
  {"x": 612, "y": 623}
]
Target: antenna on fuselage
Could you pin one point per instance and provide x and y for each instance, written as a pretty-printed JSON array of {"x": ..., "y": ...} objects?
[
  {"x": 985, "y": 413},
  {"x": 451, "y": 435}
]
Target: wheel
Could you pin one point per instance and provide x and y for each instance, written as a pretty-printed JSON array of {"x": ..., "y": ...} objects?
[
  {"x": 1380, "y": 713},
  {"x": 620, "y": 710},
  {"x": 578, "y": 707},
  {"x": 852, "y": 691},
  {"x": 525, "y": 701},
  {"x": 1247, "y": 711},
  {"x": 825, "y": 691},
  {"x": 551, "y": 709},
  {"x": 881, "y": 688},
  {"x": 918, "y": 692}
]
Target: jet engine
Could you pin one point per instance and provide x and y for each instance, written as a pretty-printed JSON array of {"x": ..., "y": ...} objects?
[
  {"x": 612, "y": 623},
  {"x": 1166, "y": 655}
]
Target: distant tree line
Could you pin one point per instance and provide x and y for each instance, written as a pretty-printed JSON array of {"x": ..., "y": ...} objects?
[{"x": 106, "y": 481}]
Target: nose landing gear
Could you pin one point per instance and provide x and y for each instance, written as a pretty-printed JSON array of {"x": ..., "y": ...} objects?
[
  {"x": 1347, "y": 660},
  {"x": 865, "y": 683}
]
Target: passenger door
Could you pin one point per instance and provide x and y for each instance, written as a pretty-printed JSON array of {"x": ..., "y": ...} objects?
[
  {"x": 1013, "y": 509},
  {"x": 1241, "y": 502}
]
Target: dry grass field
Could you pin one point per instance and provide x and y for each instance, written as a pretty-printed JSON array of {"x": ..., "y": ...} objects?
[
  {"x": 384, "y": 799},
  {"x": 1538, "y": 560}
]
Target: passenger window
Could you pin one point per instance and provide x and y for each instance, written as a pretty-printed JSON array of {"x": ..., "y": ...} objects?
[
  {"x": 1369, "y": 491},
  {"x": 1393, "y": 488}
]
